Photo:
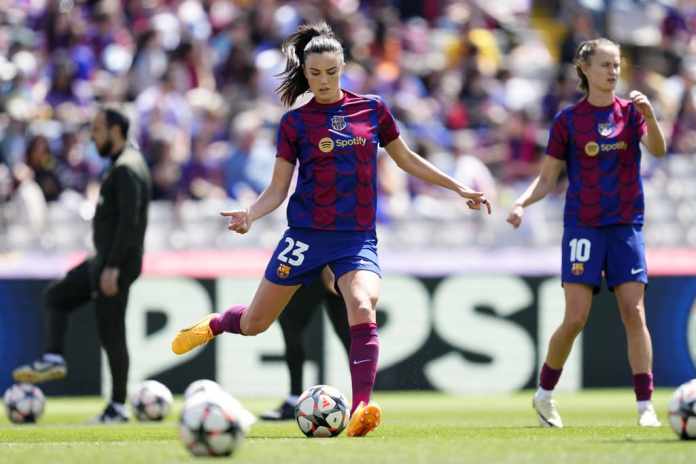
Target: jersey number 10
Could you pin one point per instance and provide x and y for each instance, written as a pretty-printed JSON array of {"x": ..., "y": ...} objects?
[{"x": 580, "y": 250}]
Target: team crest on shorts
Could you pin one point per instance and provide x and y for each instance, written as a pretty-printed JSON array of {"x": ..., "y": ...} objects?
[
  {"x": 283, "y": 271},
  {"x": 577, "y": 269},
  {"x": 591, "y": 149},
  {"x": 605, "y": 129},
  {"x": 338, "y": 123}
]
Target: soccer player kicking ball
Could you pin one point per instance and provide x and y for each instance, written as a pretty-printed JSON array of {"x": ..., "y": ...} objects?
[
  {"x": 331, "y": 215},
  {"x": 598, "y": 141}
]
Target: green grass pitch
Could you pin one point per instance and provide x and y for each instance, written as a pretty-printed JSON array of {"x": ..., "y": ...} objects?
[{"x": 417, "y": 428}]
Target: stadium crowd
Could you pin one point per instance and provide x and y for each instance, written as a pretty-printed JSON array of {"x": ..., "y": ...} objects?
[{"x": 473, "y": 84}]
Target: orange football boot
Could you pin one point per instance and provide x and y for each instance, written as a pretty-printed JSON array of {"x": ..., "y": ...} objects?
[
  {"x": 198, "y": 334},
  {"x": 364, "y": 420}
]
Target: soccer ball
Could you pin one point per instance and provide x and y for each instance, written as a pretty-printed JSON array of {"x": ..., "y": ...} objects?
[
  {"x": 151, "y": 401},
  {"x": 202, "y": 385},
  {"x": 214, "y": 389},
  {"x": 210, "y": 425},
  {"x": 682, "y": 411},
  {"x": 24, "y": 403},
  {"x": 322, "y": 411}
]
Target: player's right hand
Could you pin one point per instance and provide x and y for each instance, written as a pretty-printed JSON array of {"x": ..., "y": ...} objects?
[
  {"x": 238, "y": 220},
  {"x": 474, "y": 200},
  {"x": 515, "y": 216}
]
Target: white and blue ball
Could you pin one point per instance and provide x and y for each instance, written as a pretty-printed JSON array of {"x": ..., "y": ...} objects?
[
  {"x": 151, "y": 401},
  {"x": 24, "y": 403},
  {"x": 211, "y": 424},
  {"x": 682, "y": 411},
  {"x": 322, "y": 411}
]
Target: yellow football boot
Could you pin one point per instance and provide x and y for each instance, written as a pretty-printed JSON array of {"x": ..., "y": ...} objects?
[
  {"x": 364, "y": 420},
  {"x": 198, "y": 334}
]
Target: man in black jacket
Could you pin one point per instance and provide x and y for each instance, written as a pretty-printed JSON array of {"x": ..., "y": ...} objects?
[{"x": 119, "y": 227}]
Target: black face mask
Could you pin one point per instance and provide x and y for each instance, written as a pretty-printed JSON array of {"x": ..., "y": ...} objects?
[{"x": 105, "y": 150}]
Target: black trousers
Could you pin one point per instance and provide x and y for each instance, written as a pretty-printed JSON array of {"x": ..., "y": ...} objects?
[
  {"x": 295, "y": 319},
  {"x": 79, "y": 286}
]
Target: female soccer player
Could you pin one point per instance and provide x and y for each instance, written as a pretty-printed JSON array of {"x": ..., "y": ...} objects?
[
  {"x": 331, "y": 215},
  {"x": 598, "y": 141}
]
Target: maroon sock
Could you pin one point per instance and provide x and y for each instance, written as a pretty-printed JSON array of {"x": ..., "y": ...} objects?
[
  {"x": 364, "y": 353},
  {"x": 549, "y": 377},
  {"x": 229, "y": 321},
  {"x": 643, "y": 386}
]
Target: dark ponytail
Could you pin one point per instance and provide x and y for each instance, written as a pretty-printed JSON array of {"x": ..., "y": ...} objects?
[
  {"x": 312, "y": 38},
  {"x": 583, "y": 54}
]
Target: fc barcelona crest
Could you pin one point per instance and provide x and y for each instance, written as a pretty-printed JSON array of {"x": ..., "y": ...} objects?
[
  {"x": 338, "y": 123},
  {"x": 577, "y": 269},
  {"x": 605, "y": 129},
  {"x": 283, "y": 271}
]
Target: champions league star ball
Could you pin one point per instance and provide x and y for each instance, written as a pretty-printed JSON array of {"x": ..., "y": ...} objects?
[
  {"x": 682, "y": 411},
  {"x": 212, "y": 424},
  {"x": 151, "y": 401},
  {"x": 322, "y": 411},
  {"x": 24, "y": 403}
]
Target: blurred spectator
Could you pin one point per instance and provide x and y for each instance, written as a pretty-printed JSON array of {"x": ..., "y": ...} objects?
[
  {"x": 523, "y": 155},
  {"x": 199, "y": 77},
  {"x": 62, "y": 88},
  {"x": 43, "y": 164},
  {"x": 165, "y": 170},
  {"x": 581, "y": 29},
  {"x": 684, "y": 128},
  {"x": 74, "y": 170}
]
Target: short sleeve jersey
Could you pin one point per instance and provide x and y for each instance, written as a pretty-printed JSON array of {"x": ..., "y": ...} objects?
[
  {"x": 601, "y": 148},
  {"x": 336, "y": 146}
]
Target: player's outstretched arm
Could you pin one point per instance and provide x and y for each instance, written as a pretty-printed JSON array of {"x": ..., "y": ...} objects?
[
  {"x": 654, "y": 138},
  {"x": 418, "y": 166},
  {"x": 540, "y": 187},
  {"x": 240, "y": 220}
]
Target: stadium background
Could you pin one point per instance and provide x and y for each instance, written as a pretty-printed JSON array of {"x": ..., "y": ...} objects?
[{"x": 468, "y": 304}]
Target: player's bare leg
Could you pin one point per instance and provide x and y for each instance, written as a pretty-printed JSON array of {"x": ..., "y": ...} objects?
[
  {"x": 267, "y": 304},
  {"x": 630, "y": 298},
  {"x": 360, "y": 290},
  {"x": 578, "y": 299}
]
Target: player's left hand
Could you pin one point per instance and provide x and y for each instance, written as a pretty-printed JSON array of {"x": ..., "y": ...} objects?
[
  {"x": 642, "y": 103},
  {"x": 108, "y": 281}
]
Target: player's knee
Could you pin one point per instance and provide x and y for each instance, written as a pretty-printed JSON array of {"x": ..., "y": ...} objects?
[
  {"x": 255, "y": 326},
  {"x": 364, "y": 309},
  {"x": 575, "y": 324},
  {"x": 633, "y": 315}
]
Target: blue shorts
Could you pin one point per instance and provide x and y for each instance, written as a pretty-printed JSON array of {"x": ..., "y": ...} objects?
[
  {"x": 617, "y": 251},
  {"x": 301, "y": 254}
]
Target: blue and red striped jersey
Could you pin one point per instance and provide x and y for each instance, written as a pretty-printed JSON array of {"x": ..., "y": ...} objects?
[
  {"x": 336, "y": 145},
  {"x": 601, "y": 148}
]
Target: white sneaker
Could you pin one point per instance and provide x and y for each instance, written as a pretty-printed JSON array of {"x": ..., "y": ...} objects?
[
  {"x": 648, "y": 417},
  {"x": 547, "y": 412}
]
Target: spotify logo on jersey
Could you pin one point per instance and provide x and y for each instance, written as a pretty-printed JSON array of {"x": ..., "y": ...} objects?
[{"x": 326, "y": 145}]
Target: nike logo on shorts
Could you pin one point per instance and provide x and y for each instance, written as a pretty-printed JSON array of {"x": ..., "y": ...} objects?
[
  {"x": 636, "y": 271},
  {"x": 361, "y": 361}
]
